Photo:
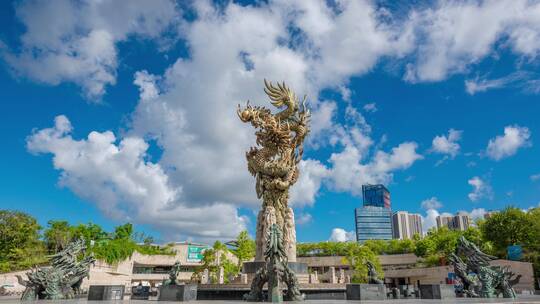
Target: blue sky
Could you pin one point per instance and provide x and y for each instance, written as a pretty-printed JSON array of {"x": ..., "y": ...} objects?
[{"x": 125, "y": 111}]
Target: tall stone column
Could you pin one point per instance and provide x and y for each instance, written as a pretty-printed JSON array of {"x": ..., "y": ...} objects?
[{"x": 265, "y": 219}]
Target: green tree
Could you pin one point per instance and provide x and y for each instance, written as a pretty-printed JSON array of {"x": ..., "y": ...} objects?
[
  {"x": 57, "y": 235},
  {"x": 20, "y": 246},
  {"x": 511, "y": 226},
  {"x": 357, "y": 257},
  {"x": 213, "y": 259},
  {"x": 89, "y": 232},
  {"x": 123, "y": 231},
  {"x": 245, "y": 247}
]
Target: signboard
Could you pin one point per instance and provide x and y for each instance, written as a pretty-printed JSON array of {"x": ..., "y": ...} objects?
[
  {"x": 514, "y": 252},
  {"x": 195, "y": 254}
]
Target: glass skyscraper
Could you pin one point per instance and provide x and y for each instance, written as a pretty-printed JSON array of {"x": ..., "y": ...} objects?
[
  {"x": 376, "y": 195},
  {"x": 374, "y": 219},
  {"x": 373, "y": 223}
]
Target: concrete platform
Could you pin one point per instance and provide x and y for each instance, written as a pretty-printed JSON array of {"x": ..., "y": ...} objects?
[{"x": 520, "y": 299}]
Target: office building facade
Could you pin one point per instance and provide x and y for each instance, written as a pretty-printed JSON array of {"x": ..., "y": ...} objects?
[
  {"x": 406, "y": 225},
  {"x": 376, "y": 195},
  {"x": 373, "y": 223}
]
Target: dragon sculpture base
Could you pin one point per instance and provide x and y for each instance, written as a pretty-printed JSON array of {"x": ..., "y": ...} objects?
[
  {"x": 276, "y": 273},
  {"x": 63, "y": 279},
  {"x": 479, "y": 279}
]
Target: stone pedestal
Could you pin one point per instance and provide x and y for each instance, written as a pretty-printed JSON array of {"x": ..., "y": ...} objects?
[
  {"x": 300, "y": 269},
  {"x": 366, "y": 292},
  {"x": 182, "y": 292},
  {"x": 333, "y": 279},
  {"x": 437, "y": 291},
  {"x": 221, "y": 275},
  {"x": 244, "y": 278},
  {"x": 285, "y": 219},
  {"x": 314, "y": 278},
  {"x": 205, "y": 277},
  {"x": 105, "y": 292}
]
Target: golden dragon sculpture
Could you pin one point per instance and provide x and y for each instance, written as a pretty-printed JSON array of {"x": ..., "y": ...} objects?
[{"x": 274, "y": 161}]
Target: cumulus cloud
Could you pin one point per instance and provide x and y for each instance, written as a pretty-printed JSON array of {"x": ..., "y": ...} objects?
[
  {"x": 431, "y": 203},
  {"x": 306, "y": 188},
  {"x": 514, "y": 138},
  {"x": 303, "y": 219},
  {"x": 340, "y": 235},
  {"x": 349, "y": 172},
  {"x": 454, "y": 35},
  {"x": 370, "y": 107},
  {"x": 481, "y": 189},
  {"x": 125, "y": 186},
  {"x": 76, "y": 41},
  {"x": 447, "y": 145}
]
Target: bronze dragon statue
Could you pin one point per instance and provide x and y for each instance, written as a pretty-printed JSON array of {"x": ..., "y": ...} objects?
[
  {"x": 61, "y": 280},
  {"x": 478, "y": 277}
]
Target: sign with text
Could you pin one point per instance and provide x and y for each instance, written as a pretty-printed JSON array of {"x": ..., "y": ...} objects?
[{"x": 195, "y": 253}]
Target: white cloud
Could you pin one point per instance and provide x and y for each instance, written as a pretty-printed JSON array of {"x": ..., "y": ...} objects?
[
  {"x": 514, "y": 138},
  {"x": 370, "y": 107},
  {"x": 146, "y": 82},
  {"x": 76, "y": 41},
  {"x": 430, "y": 219},
  {"x": 447, "y": 144},
  {"x": 453, "y": 36},
  {"x": 431, "y": 203},
  {"x": 473, "y": 86},
  {"x": 306, "y": 188},
  {"x": 349, "y": 172},
  {"x": 125, "y": 186},
  {"x": 477, "y": 213},
  {"x": 481, "y": 189},
  {"x": 535, "y": 177},
  {"x": 303, "y": 219},
  {"x": 68, "y": 41},
  {"x": 340, "y": 235}
]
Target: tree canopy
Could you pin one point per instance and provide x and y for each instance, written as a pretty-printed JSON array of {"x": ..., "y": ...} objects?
[
  {"x": 20, "y": 245},
  {"x": 23, "y": 244}
]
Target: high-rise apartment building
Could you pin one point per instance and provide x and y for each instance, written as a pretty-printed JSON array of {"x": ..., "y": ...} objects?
[
  {"x": 406, "y": 225},
  {"x": 444, "y": 221},
  {"x": 373, "y": 223},
  {"x": 460, "y": 221},
  {"x": 376, "y": 195}
]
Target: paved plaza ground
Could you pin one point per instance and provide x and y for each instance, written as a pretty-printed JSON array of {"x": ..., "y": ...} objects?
[{"x": 521, "y": 299}]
